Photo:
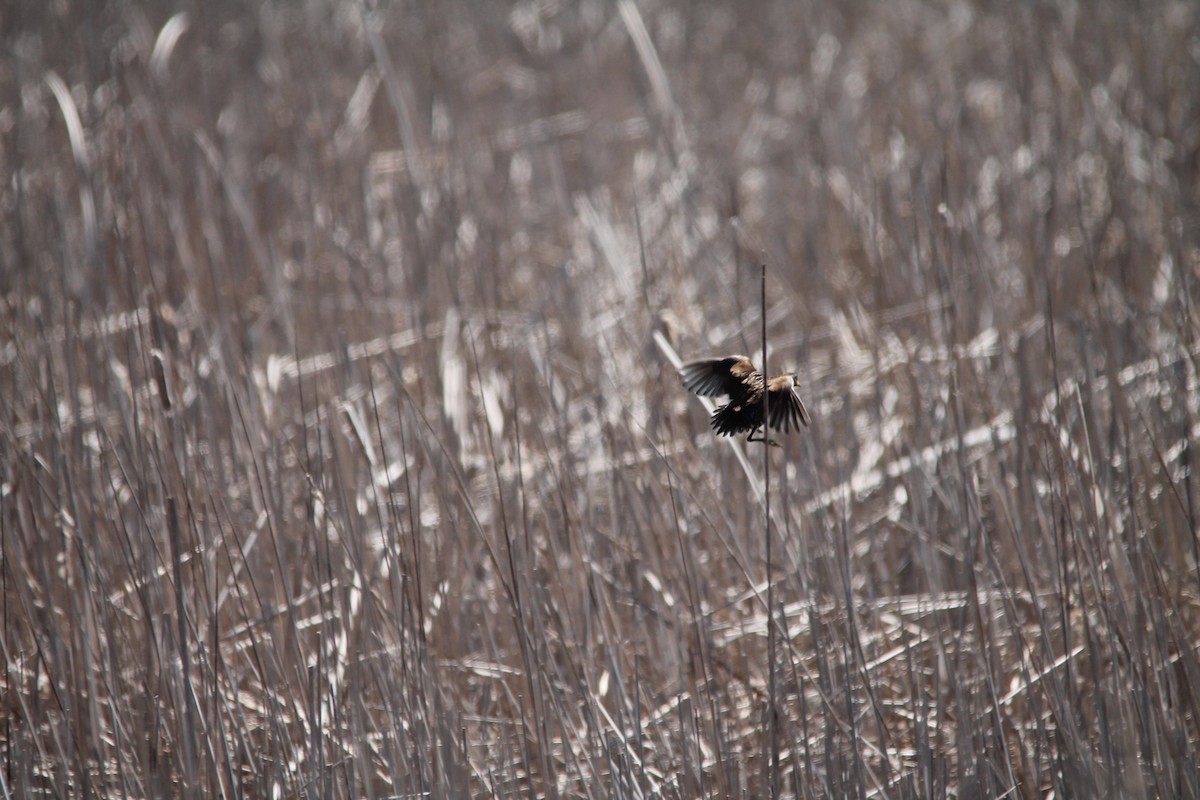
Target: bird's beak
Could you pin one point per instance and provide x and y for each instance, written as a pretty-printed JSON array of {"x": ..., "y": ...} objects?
[{"x": 795, "y": 380}]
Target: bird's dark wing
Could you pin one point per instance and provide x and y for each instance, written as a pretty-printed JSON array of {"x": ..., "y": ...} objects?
[
  {"x": 713, "y": 377},
  {"x": 787, "y": 409}
]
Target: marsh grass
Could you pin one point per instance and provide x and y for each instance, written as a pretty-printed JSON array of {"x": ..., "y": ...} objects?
[{"x": 341, "y": 453}]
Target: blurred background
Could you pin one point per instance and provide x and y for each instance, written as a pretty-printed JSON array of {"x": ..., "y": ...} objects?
[{"x": 342, "y": 451}]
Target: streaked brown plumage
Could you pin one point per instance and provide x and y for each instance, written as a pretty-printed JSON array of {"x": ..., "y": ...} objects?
[{"x": 736, "y": 376}]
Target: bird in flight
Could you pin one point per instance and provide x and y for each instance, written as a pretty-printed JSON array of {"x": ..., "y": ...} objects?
[{"x": 736, "y": 377}]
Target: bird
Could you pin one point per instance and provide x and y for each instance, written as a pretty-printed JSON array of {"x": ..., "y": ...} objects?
[{"x": 736, "y": 377}]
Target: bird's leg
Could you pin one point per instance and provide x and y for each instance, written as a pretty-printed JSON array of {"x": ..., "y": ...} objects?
[{"x": 771, "y": 442}]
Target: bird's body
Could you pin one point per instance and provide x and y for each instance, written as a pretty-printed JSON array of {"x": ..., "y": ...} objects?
[{"x": 736, "y": 377}]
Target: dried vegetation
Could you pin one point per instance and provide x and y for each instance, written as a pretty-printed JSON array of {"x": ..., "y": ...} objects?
[{"x": 342, "y": 454}]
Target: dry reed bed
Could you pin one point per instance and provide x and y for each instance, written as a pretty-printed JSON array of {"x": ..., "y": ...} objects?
[{"x": 341, "y": 452}]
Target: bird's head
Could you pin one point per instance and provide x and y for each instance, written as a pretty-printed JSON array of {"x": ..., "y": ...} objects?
[{"x": 796, "y": 379}]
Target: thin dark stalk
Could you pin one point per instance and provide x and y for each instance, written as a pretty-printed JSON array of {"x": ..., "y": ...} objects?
[
  {"x": 772, "y": 697},
  {"x": 187, "y": 692}
]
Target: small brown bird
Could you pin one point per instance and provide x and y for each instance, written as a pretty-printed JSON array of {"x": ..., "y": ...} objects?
[{"x": 736, "y": 376}]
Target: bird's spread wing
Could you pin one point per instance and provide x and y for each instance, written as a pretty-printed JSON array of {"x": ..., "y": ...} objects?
[
  {"x": 713, "y": 377},
  {"x": 787, "y": 409}
]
